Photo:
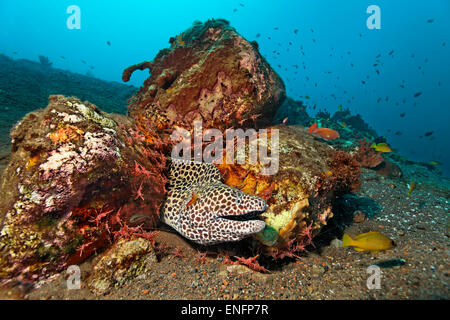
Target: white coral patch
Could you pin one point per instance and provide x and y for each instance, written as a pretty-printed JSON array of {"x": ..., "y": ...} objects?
[
  {"x": 92, "y": 115},
  {"x": 99, "y": 145},
  {"x": 69, "y": 118},
  {"x": 65, "y": 160}
]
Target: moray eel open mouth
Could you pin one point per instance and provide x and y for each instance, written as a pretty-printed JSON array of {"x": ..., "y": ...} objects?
[{"x": 252, "y": 215}]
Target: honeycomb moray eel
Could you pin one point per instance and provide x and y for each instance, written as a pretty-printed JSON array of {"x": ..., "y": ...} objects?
[{"x": 203, "y": 209}]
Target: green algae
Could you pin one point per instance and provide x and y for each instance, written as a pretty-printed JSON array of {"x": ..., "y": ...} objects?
[{"x": 268, "y": 236}]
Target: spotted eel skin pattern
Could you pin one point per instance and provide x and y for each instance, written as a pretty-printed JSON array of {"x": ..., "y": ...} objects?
[{"x": 203, "y": 219}]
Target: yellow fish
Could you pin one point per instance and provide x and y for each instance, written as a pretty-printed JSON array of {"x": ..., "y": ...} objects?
[
  {"x": 370, "y": 241},
  {"x": 343, "y": 124},
  {"x": 382, "y": 147},
  {"x": 411, "y": 186},
  {"x": 435, "y": 163},
  {"x": 32, "y": 161},
  {"x": 340, "y": 107}
]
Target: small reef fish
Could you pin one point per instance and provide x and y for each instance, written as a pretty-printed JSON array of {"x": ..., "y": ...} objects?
[
  {"x": 32, "y": 161},
  {"x": 435, "y": 163},
  {"x": 108, "y": 43},
  {"x": 411, "y": 187},
  {"x": 339, "y": 107},
  {"x": 417, "y": 94},
  {"x": 323, "y": 133},
  {"x": 193, "y": 199},
  {"x": 370, "y": 241},
  {"x": 391, "y": 263},
  {"x": 382, "y": 147}
]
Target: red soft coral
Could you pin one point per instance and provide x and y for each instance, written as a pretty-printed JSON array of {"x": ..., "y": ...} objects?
[
  {"x": 367, "y": 156},
  {"x": 252, "y": 263}
]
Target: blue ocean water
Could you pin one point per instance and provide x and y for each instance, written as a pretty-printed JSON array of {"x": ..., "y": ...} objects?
[{"x": 332, "y": 59}]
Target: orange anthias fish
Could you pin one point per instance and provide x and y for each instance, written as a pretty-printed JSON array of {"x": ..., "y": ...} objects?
[{"x": 324, "y": 133}]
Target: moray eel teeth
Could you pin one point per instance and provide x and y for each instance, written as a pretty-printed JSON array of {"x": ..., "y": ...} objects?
[{"x": 205, "y": 210}]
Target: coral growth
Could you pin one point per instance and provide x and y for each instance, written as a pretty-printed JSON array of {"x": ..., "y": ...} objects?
[
  {"x": 252, "y": 263},
  {"x": 126, "y": 75},
  {"x": 344, "y": 173},
  {"x": 70, "y": 188},
  {"x": 367, "y": 156},
  {"x": 300, "y": 193}
]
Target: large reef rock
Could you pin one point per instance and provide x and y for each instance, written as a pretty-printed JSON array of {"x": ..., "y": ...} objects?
[
  {"x": 300, "y": 194},
  {"x": 125, "y": 260},
  {"x": 212, "y": 74},
  {"x": 78, "y": 178}
]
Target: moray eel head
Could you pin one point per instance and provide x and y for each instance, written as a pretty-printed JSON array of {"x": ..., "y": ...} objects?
[{"x": 203, "y": 209}]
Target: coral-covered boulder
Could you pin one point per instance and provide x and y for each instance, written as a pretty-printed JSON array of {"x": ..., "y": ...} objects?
[
  {"x": 125, "y": 260},
  {"x": 300, "y": 194},
  {"x": 210, "y": 73},
  {"x": 77, "y": 179}
]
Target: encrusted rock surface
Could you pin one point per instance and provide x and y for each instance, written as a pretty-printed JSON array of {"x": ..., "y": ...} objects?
[
  {"x": 125, "y": 260},
  {"x": 210, "y": 73},
  {"x": 311, "y": 174},
  {"x": 76, "y": 177}
]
